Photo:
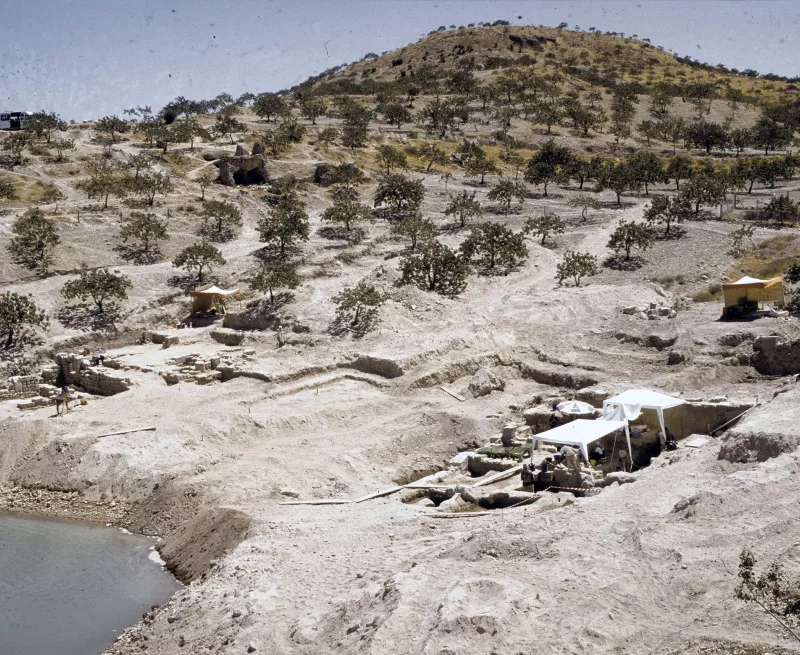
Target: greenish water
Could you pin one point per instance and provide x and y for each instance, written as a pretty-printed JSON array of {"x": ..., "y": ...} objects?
[{"x": 69, "y": 588}]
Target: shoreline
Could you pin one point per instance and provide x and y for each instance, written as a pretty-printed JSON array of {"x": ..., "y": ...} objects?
[{"x": 68, "y": 505}]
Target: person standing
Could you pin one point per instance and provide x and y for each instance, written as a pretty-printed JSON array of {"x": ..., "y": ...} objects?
[{"x": 569, "y": 457}]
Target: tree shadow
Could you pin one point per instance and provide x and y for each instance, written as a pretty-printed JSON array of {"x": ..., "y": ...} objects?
[
  {"x": 497, "y": 210},
  {"x": 87, "y": 318},
  {"x": 452, "y": 228},
  {"x": 336, "y": 233},
  {"x": 619, "y": 263},
  {"x": 186, "y": 282},
  {"x": 137, "y": 255},
  {"x": 675, "y": 233},
  {"x": 343, "y": 325}
]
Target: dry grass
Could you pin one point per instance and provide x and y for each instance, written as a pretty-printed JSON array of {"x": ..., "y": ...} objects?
[{"x": 28, "y": 191}]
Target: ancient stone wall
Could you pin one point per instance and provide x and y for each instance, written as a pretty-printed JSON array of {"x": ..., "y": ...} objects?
[{"x": 772, "y": 356}]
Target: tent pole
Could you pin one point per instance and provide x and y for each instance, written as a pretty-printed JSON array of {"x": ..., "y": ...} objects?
[{"x": 628, "y": 439}]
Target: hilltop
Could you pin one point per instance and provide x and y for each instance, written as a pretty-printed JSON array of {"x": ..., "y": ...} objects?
[{"x": 582, "y": 58}]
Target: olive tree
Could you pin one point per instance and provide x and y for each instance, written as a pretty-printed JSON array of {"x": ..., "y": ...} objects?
[
  {"x": 505, "y": 191},
  {"x": 18, "y": 312},
  {"x": 390, "y": 157},
  {"x": 101, "y": 285},
  {"x": 284, "y": 225},
  {"x": 493, "y": 245},
  {"x": 629, "y": 234},
  {"x": 206, "y": 178},
  {"x": 481, "y": 167},
  {"x": 198, "y": 257},
  {"x": 415, "y": 227},
  {"x": 220, "y": 220},
  {"x": 359, "y": 304},
  {"x": 435, "y": 267},
  {"x": 399, "y": 193},
  {"x": 346, "y": 209},
  {"x": 34, "y": 241},
  {"x": 144, "y": 231},
  {"x": 226, "y": 125},
  {"x": 544, "y": 225},
  {"x": 275, "y": 274},
  {"x": 150, "y": 183},
  {"x": 112, "y": 125},
  {"x": 576, "y": 265}
]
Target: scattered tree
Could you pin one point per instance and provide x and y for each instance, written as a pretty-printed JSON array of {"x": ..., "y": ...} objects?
[
  {"x": 464, "y": 206},
  {"x": 630, "y": 234},
  {"x": 34, "y": 241},
  {"x": 773, "y": 591},
  {"x": 505, "y": 191},
  {"x": 61, "y": 146},
  {"x": 584, "y": 203},
  {"x": 346, "y": 209},
  {"x": 576, "y": 265},
  {"x": 312, "y": 108},
  {"x": 390, "y": 157},
  {"x": 269, "y": 106},
  {"x": 435, "y": 267},
  {"x": 359, "y": 304},
  {"x": 284, "y": 225},
  {"x": 396, "y": 114},
  {"x": 7, "y": 190},
  {"x": 206, "y": 178},
  {"x": 225, "y": 125},
  {"x": 145, "y": 231},
  {"x": 150, "y": 183},
  {"x": 43, "y": 124},
  {"x": 782, "y": 210},
  {"x": 18, "y": 312},
  {"x": 545, "y": 225},
  {"x": 275, "y": 274},
  {"x": 433, "y": 154},
  {"x": 15, "y": 143},
  {"x": 112, "y": 125},
  {"x": 494, "y": 244},
  {"x": 399, "y": 193},
  {"x": 741, "y": 240},
  {"x": 415, "y": 227},
  {"x": 327, "y": 136},
  {"x": 481, "y": 166},
  {"x": 100, "y": 285},
  {"x": 199, "y": 256},
  {"x": 220, "y": 220}
]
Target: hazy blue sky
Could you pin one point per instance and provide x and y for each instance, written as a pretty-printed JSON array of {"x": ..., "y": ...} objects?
[{"x": 87, "y": 58}]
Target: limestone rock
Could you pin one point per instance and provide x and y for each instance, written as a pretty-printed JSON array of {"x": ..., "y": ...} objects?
[
  {"x": 240, "y": 152},
  {"x": 620, "y": 477},
  {"x": 631, "y": 310},
  {"x": 244, "y": 170},
  {"x": 484, "y": 382},
  {"x": 258, "y": 149}
]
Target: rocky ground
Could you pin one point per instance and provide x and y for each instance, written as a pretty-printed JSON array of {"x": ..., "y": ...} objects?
[{"x": 647, "y": 567}]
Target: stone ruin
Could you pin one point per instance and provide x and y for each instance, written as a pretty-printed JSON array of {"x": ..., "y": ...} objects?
[
  {"x": 242, "y": 169},
  {"x": 773, "y": 355}
]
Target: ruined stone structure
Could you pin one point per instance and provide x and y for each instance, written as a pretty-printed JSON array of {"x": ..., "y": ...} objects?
[
  {"x": 775, "y": 357},
  {"x": 243, "y": 169}
]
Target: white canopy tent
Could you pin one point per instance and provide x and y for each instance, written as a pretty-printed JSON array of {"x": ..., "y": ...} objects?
[
  {"x": 581, "y": 432},
  {"x": 629, "y": 404}
]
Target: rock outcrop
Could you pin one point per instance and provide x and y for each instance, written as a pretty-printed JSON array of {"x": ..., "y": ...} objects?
[{"x": 243, "y": 169}]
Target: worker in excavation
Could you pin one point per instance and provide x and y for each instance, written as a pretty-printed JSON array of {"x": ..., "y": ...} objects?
[
  {"x": 569, "y": 458},
  {"x": 62, "y": 397}
]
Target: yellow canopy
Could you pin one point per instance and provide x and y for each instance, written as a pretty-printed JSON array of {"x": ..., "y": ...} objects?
[{"x": 753, "y": 290}]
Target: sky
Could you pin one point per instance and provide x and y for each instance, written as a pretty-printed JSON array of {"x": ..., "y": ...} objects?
[{"x": 88, "y": 58}]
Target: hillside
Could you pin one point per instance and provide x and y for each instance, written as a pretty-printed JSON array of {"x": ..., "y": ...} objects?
[
  {"x": 418, "y": 266},
  {"x": 583, "y": 58}
]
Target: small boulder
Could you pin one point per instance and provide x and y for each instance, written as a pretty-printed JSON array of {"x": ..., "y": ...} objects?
[
  {"x": 240, "y": 152},
  {"x": 621, "y": 477},
  {"x": 663, "y": 311},
  {"x": 631, "y": 310},
  {"x": 258, "y": 149},
  {"x": 289, "y": 493},
  {"x": 484, "y": 382}
]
